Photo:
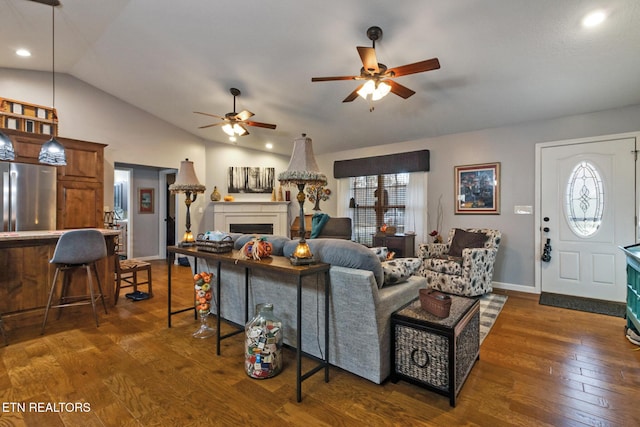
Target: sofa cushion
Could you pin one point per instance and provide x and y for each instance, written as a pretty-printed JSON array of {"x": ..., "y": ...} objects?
[
  {"x": 399, "y": 270},
  {"x": 465, "y": 239},
  {"x": 343, "y": 253},
  {"x": 277, "y": 242}
]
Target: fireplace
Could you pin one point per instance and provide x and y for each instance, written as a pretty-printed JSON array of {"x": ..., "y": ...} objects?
[
  {"x": 251, "y": 228},
  {"x": 252, "y": 216}
]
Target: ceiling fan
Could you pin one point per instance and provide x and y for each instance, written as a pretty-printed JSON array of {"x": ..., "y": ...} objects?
[
  {"x": 235, "y": 123},
  {"x": 377, "y": 77}
]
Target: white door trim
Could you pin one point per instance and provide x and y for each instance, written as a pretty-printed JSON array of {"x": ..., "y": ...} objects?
[{"x": 537, "y": 249}]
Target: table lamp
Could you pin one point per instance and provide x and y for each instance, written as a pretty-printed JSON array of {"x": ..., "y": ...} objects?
[
  {"x": 187, "y": 183},
  {"x": 302, "y": 170}
]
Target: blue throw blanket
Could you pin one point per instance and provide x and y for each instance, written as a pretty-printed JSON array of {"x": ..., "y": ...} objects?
[{"x": 318, "y": 221}]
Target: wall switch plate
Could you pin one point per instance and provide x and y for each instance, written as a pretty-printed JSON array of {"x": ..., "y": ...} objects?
[{"x": 523, "y": 210}]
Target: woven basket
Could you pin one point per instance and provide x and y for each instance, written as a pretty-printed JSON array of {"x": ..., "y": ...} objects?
[
  {"x": 218, "y": 247},
  {"x": 435, "y": 302}
]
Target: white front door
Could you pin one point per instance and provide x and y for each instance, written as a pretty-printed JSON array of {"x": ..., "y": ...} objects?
[{"x": 587, "y": 210}]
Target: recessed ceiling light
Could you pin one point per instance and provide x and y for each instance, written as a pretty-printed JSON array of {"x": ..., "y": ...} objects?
[
  {"x": 232, "y": 138},
  {"x": 594, "y": 19},
  {"x": 23, "y": 52},
  {"x": 268, "y": 145}
]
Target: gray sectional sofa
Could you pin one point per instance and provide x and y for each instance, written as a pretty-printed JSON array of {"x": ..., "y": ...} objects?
[{"x": 360, "y": 303}]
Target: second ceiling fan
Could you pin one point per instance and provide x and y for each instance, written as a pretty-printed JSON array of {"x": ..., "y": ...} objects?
[
  {"x": 377, "y": 77},
  {"x": 235, "y": 123}
]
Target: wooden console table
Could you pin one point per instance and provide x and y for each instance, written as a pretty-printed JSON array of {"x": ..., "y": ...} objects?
[{"x": 274, "y": 263}]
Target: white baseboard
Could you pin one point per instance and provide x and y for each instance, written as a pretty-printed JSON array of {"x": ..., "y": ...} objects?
[{"x": 514, "y": 287}]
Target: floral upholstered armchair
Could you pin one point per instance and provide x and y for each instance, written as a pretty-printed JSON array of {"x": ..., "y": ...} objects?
[{"x": 464, "y": 264}]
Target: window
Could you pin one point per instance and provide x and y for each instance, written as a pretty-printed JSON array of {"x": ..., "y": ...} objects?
[
  {"x": 584, "y": 199},
  {"x": 379, "y": 200}
]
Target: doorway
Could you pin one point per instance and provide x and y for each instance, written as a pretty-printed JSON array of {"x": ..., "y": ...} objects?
[
  {"x": 586, "y": 200},
  {"x": 122, "y": 202}
]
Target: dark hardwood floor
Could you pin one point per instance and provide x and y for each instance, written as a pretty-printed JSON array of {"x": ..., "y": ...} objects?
[{"x": 539, "y": 366}]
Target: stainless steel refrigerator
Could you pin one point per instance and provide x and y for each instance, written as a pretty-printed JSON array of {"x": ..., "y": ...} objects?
[{"x": 28, "y": 197}]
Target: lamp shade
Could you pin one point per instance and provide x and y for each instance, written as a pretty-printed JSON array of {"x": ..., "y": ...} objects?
[
  {"x": 6, "y": 148},
  {"x": 52, "y": 153},
  {"x": 186, "y": 179},
  {"x": 302, "y": 168}
]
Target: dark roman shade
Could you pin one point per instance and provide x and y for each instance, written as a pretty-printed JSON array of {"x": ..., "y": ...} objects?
[{"x": 414, "y": 161}]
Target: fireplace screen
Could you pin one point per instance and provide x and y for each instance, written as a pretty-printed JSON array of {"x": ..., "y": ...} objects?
[{"x": 251, "y": 228}]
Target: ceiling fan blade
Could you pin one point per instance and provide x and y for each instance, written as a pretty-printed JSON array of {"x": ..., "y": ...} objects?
[
  {"x": 369, "y": 60},
  {"x": 210, "y": 115},
  {"x": 400, "y": 90},
  {"x": 244, "y": 115},
  {"x": 353, "y": 95},
  {"x": 261, "y": 125},
  {"x": 211, "y": 125},
  {"x": 48, "y": 2},
  {"x": 418, "y": 67},
  {"x": 328, "y": 79},
  {"x": 246, "y": 131}
]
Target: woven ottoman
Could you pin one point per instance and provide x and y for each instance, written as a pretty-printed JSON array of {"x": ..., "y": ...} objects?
[{"x": 432, "y": 352}]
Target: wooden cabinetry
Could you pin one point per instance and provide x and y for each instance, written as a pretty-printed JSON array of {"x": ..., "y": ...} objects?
[
  {"x": 26, "y": 274},
  {"x": 402, "y": 244},
  {"x": 633, "y": 286},
  {"x": 80, "y": 184}
]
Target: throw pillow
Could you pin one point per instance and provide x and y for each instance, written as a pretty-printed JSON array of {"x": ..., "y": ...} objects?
[
  {"x": 399, "y": 270},
  {"x": 466, "y": 239},
  {"x": 343, "y": 253},
  {"x": 277, "y": 242},
  {"x": 382, "y": 252}
]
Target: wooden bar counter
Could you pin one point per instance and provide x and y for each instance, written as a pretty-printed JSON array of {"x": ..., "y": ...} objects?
[{"x": 25, "y": 272}]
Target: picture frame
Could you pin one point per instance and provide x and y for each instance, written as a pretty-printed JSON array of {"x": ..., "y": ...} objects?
[
  {"x": 477, "y": 189},
  {"x": 146, "y": 200}
]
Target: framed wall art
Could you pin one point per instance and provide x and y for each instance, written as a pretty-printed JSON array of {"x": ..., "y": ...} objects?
[
  {"x": 477, "y": 189},
  {"x": 250, "y": 180},
  {"x": 145, "y": 200}
]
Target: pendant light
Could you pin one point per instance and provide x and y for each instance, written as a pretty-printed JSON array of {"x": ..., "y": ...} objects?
[
  {"x": 52, "y": 152},
  {"x": 6, "y": 148}
]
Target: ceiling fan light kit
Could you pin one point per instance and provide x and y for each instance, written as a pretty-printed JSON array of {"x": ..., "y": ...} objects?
[
  {"x": 234, "y": 124},
  {"x": 377, "y": 77}
]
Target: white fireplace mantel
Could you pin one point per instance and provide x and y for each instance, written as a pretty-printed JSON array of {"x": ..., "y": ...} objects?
[{"x": 276, "y": 213}]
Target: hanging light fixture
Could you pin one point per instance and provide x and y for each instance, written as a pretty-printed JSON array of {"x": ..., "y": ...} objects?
[
  {"x": 234, "y": 129},
  {"x": 377, "y": 89},
  {"x": 52, "y": 152},
  {"x": 6, "y": 147}
]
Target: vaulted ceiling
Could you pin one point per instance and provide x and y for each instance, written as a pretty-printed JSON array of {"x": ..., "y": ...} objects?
[{"x": 502, "y": 61}]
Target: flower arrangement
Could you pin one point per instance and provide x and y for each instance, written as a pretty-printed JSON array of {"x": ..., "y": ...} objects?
[
  {"x": 437, "y": 238},
  {"x": 316, "y": 193}
]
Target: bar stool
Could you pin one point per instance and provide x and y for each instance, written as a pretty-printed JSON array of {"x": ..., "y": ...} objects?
[
  {"x": 76, "y": 249},
  {"x": 127, "y": 271}
]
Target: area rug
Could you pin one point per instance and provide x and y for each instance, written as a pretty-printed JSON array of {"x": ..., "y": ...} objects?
[
  {"x": 490, "y": 307},
  {"x": 610, "y": 308}
]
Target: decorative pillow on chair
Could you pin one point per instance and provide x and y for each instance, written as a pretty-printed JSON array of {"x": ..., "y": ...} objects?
[
  {"x": 466, "y": 239},
  {"x": 399, "y": 270}
]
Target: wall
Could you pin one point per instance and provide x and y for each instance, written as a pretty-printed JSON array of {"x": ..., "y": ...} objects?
[{"x": 514, "y": 148}]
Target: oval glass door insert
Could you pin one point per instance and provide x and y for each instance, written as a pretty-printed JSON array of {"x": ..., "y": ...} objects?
[{"x": 584, "y": 199}]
